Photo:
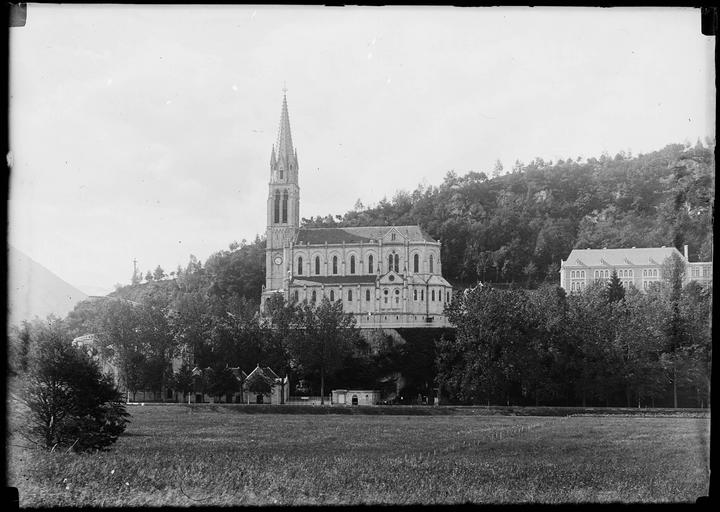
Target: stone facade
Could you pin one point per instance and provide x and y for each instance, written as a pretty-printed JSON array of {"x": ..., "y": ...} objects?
[
  {"x": 638, "y": 267},
  {"x": 355, "y": 397},
  {"x": 387, "y": 276}
]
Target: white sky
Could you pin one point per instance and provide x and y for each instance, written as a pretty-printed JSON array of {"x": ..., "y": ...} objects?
[{"x": 145, "y": 131}]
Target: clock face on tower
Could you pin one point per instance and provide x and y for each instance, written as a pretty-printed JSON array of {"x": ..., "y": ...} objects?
[{"x": 278, "y": 260}]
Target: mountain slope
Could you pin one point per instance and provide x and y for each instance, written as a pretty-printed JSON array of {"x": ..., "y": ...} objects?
[{"x": 33, "y": 290}]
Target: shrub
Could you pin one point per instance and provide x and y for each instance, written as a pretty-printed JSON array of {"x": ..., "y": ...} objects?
[{"x": 71, "y": 403}]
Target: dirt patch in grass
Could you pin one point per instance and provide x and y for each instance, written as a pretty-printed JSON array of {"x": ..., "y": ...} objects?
[{"x": 182, "y": 456}]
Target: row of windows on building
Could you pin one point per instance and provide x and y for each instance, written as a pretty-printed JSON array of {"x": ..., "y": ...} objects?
[
  {"x": 387, "y": 296},
  {"x": 695, "y": 271},
  {"x": 600, "y": 274},
  {"x": 577, "y": 286},
  {"x": 393, "y": 264}
]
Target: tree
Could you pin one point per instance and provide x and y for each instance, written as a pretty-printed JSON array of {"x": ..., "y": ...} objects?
[
  {"x": 676, "y": 331},
  {"x": 221, "y": 381},
  {"x": 696, "y": 308},
  {"x": 190, "y": 323},
  {"x": 159, "y": 273},
  {"x": 148, "y": 276},
  {"x": 117, "y": 328},
  {"x": 183, "y": 380},
  {"x": 71, "y": 403},
  {"x": 259, "y": 383},
  {"x": 591, "y": 371},
  {"x": 486, "y": 359},
  {"x": 280, "y": 335},
  {"x": 155, "y": 337},
  {"x": 497, "y": 169},
  {"x": 614, "y": 290},
  {"x": 327, "y": 336},
  {"x": 19, "y": 344}
]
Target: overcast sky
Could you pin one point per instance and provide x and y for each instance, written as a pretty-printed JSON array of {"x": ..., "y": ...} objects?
[{"x": 145, "y": 131}]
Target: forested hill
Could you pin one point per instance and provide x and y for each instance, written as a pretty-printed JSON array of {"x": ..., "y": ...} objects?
[
  {"x": 516, "y": 227},
  {"x": 512, "y": 228}
]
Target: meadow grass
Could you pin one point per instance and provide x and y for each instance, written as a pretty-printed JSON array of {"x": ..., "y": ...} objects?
[{"x": 180, "y": 456}]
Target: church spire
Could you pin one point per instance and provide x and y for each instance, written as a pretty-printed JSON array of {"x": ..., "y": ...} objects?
[{"x": 285, "y": 151}]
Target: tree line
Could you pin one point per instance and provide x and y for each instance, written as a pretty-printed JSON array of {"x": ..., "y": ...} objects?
[
  {"x": 603, "y": 346},
  {"x": 142, "y": 330}
]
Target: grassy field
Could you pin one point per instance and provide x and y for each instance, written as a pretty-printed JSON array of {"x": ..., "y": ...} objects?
[{"x": 180, "y": 456}]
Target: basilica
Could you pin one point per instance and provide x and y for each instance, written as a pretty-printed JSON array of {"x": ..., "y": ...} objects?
[{"x": 386, "y": 276}]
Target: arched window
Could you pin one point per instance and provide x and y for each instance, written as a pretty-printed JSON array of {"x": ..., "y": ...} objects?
[
  {"x": 416, "y": 263},
  {"x": 582, "y": 274},
  {"x": 448, "y": 297},
  {"x": 296, "y": 296},
  {"x": 334, "y": 268},
  {"x": 276, "y": 208},
  {"x": 352, "y": 264},
  {"x": 332, "y": 295},
  {"x": 367, "y": 293},
  {"x": 432, "y": 266},
  {"x": 350, "y": 295},
  {"x": 414, "y": 294},
  {"x": 655, "y": 272},
  {"x": 299, "y": 268},
  {"x": 390, "y": 262},
  {"x": 422, "y": 294},
  {"x": 572, "y": 274},
  {"x": 370, "y": 264},
  {"x": 284, "y": 206},
  {"x": 397, "y": 263},
  {"x": 314, "y": 296},
  {"x": 432, "y": 294},
  {"x": 281, "y": 173},
  {"x": 317, "y": 265}
]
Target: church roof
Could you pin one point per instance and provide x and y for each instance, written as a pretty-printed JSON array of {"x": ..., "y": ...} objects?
[
  {"x": 650, "y": 256},
  {"x": 334, "y": 280},
  {"x": 318, "y": 236}
]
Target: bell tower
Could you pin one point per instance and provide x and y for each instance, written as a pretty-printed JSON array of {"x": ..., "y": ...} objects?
[{"x": 283, "y": 204}]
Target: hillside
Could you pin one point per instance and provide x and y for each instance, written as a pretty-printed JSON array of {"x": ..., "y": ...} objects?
[
  {"x": 515, "y": 228},
  {"x": 512, "y": 229},
  {"x": 33, "y": 290}
]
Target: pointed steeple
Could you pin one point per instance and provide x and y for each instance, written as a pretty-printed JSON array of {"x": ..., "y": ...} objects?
[{"x": 286, "y": 157}]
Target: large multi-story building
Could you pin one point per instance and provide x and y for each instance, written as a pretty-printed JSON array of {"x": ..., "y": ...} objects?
[
  {"x": 639, "y": 267},
  {"x": 386, "y": 276}
]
